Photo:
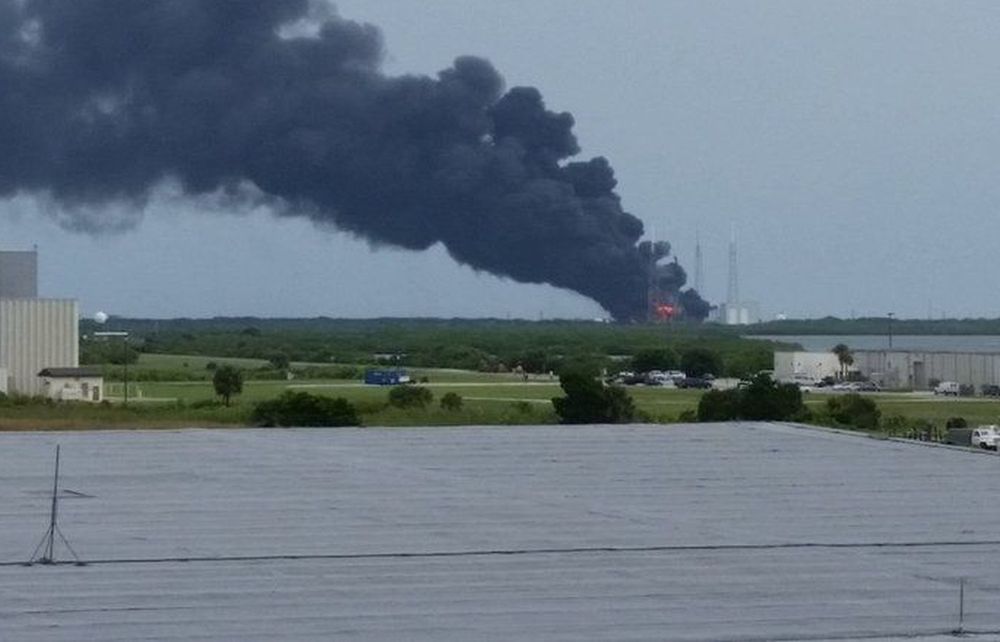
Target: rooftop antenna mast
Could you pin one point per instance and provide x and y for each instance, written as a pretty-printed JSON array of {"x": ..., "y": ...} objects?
[{"x": 45, "y": 552}]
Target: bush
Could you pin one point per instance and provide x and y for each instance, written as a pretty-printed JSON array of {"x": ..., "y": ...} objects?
[
  {"x": 687, "y": 416},
  {"x": 304, "y": 409},
  {"x": 279, "y": 360},
  {"x": 743, "y": 363},
  {"x": 26, "y": 400},
  {"x": 719, "y": 405},
  {"x": 896, "y": 426},
  {"x": 96, "y": 352},
  {"x": 410, "y": 397},
  {"x": 660, "y": 359},
  {"x": 925, "y": 430},
  {"x": 329, "y": 372},
  {"x": 762, "y": 400},
  {"x": 956, "y": 422},
  {"x": 451, "y": 401},
  {"x": 201, "y": 404},
  {"x": 855, "y": 411},
  {"x": 698, "y": 362},
  {"x": 587, "y": 401}
]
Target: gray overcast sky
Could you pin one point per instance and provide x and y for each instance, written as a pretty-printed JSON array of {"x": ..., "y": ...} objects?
[{"x": 850, "y": 144}]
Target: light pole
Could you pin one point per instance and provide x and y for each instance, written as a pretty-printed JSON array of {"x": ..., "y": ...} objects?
[
  {"x": 124, "y": 336},
  {"x": 891, "y": 315}
]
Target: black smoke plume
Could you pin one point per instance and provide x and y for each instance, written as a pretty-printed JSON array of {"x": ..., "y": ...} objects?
[{"x": 101, "y": 101}]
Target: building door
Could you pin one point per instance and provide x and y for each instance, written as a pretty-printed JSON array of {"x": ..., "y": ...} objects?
[{"x": 919, "y": 376}]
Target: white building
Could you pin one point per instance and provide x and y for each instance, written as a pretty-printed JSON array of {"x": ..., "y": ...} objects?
[
  {"x": 744, "y": 313},
  {"x": 72, "y": 384},
  {"x": 36, "y": 334},
  {"x": 805, "y": 366},
  {"x": 919, "y": 369}
]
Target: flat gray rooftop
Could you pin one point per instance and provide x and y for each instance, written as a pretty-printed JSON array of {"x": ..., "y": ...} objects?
[{"x": 684, "y": 532}]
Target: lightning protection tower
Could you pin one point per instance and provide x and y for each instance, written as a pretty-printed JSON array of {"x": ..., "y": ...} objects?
[
  {"x": 733, "y": 291},
  {"x": 699, "y": 266}
]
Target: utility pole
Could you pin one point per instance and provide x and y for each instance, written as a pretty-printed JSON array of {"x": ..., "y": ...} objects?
[{"x": 124, "y": 337}]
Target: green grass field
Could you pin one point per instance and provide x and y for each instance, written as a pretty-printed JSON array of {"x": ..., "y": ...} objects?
[{"x": 487, "y": 399}]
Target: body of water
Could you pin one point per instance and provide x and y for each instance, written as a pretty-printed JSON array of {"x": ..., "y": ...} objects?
[{"x": 938, "y": 343}]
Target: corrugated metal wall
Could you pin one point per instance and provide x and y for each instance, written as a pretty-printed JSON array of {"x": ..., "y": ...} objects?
[
  {"x": 906, "y": 369},
  {"x": 36, "y": 334}
]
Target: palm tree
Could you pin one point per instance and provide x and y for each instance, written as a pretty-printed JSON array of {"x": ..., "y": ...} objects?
[{"x": 844, "y": 356}]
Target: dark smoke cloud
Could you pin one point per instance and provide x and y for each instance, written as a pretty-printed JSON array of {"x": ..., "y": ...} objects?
[{"x": 101, "y": 101}]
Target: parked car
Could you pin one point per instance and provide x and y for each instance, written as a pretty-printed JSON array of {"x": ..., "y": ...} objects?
[
  {"x": 657, "y": 378},
  {"x": 990, "y": 390},
  {"x": 866, "y": 386},
  {"x": 693, "y": 382},
  {"x": 951, "y": 388}
]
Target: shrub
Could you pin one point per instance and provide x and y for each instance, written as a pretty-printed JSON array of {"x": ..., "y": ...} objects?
[
  {"x": 523, "y": 407},
  {"x": 925, "y": 430},
  {"x": 854, "y": 410},
  {"x": 762, "y": 400},
  {"x": 278, "y": 360},
  {"x": 956, "y": 422},
  {"x": 451, "y": 401},
  {"x": 204, "y": 403},
  {"x": 588, "y": 401},
  {"x": 896, "y": 426},
  {"x": 304, "y": 409},
  {"x": 688, "y": 416},
  {"x": 743, "y": 363},
  {"x": 410, "y": 397},
  {"x": 329, "y": 372},
  {"x": 719, "y": 405},
  {"x": 698, "y": 362},
  {"x": 659, "y": 359}
]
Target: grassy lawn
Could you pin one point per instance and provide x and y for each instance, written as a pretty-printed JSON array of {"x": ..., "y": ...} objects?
[
  {"x": 488, "y": 398},
  {"x": 483, "y": 402},
  {"x": 934, "y": 409}
]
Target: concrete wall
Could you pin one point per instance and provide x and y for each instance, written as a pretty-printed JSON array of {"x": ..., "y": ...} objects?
[
  {"x": 73, "y": 388},
  {"x": 18, "y": 275},
  {"x": 36, "y": 334},
  {"x": 801, "y": 366},
  {"x": 910, "y": 369}
]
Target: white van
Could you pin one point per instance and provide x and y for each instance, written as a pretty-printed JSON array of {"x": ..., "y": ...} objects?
[
  {"x": 985, "y": 437},
  {"x": 947, "y": 388}
]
